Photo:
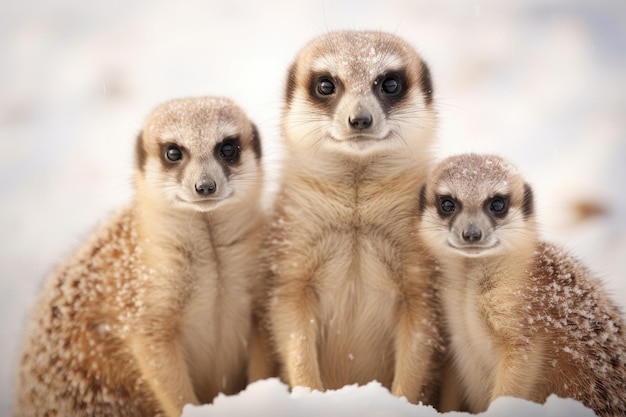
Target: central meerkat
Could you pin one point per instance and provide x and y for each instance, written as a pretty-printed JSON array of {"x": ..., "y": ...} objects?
[
  {"x": 153, "y": 311},
  {"x": 524, "y": 318},
  {"x": 351, "y": 300}
]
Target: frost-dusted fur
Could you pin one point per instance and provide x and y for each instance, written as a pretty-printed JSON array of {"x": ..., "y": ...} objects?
[
  {"x": 153, "y": 310},
  {"x": 350, "y": 297},
  {"x": 524, "y": 318}
]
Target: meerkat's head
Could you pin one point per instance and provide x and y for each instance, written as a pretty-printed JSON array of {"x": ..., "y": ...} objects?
[
  {"x": 476, "y": 205},
  {"x": 197, "y": 153},
  {"x": 359, "y": 92}
]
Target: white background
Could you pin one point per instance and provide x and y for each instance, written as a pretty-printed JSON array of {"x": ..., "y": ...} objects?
[{"x": 542, "y": 82}]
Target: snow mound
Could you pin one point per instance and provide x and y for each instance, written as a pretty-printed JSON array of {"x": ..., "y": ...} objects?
[{"x": 272, "y": 398}]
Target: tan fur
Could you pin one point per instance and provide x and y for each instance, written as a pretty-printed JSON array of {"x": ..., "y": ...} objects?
[
  {"x": 524, "y": 318},
  {"x": 153, "y": 310},
  {"x": 351, "y": 299}
]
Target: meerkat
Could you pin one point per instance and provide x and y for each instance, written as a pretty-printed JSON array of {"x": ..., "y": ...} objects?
[
  {"x": 350, "y": 296},
  {"x": 524, "y": 317},
  {"x": 153, "y": 311}
]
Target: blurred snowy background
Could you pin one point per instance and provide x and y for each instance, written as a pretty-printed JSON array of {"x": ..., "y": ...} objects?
[{"x": 542, "y": 82}]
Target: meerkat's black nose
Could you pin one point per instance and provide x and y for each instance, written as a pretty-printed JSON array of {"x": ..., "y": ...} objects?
[
  {"x": 361, "y": 120},
  {"x": 472, "y": 233},
  {"x": 206, "y": 187}
]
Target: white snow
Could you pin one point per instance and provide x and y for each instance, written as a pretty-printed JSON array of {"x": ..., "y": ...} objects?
[
  {"x": 272, "y": 398},
  {"x": 540, "y": 82}
]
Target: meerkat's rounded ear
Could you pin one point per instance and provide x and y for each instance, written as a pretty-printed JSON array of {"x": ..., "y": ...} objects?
[
  {"x": 422, "y": 199},
  {"x": 528, "y": 204},
  {"x": 140, "y": 152},
  {"x": 256, "y": 142},
  {"x": 290, "y": 86},
  {"x": 426, "y": 84}
]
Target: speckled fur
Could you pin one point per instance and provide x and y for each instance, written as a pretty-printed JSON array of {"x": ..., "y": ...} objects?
[
  {"x": 153, "y": 310},
  {"x": 350, "y": 293},
  {"x": 524, "y": 318}
]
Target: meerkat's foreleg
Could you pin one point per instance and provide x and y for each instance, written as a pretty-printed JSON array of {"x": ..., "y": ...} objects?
[
  {"x": 451, "y": 398},
  {"x": 161, "y": 361},
  {"x": 413, "y": 349},
  {"x": 295, "y": 322},
  {"x": 163, "y": 367},
  {"x": 260, "y": 360},
  {"x": 517, "y": 373}
]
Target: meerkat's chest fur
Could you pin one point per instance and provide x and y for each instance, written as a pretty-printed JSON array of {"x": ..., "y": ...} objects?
[
  {"x": 220, "y": 271},
  {"x": 471, "y": 342},
  {"x": 358, "y": 225},
  {"x": 356, "y": 231},
  {"x": 482, "y": 316},
  {"x": 214, "y": 264}
]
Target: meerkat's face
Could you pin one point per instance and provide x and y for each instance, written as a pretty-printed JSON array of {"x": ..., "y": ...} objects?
[
  {"x": 474, "y": 205},
  {"x": 196, "y": 154},
  {"x": 359, "y": 92}
]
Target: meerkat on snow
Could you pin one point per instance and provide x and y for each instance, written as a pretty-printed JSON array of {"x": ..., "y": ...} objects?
[
  {"x": 350, "y": 293},
  {"x": 153, "y": 310},
  {"x": 523, "y": 317}
]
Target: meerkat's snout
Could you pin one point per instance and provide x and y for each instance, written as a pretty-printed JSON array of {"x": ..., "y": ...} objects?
[
  {"x": 472, "y": 233},
  {"x": 199, "y": 180},
  {"x": 216, "y": 170},
  {"x": 360, "y": 119},
  {"x": 478, "y": 230},
  {"x": 205, "y": 187}
]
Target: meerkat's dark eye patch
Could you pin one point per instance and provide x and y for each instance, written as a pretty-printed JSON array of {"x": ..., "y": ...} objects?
[
  {"x": 323, "y": 87},
  {"x": 499, "y": 206},
  {"x": 323, "y": 91},
  {"x": 391, "y": 88},
  {"x": 229, "y": 150},
  {"x": 446, "y": 205}
]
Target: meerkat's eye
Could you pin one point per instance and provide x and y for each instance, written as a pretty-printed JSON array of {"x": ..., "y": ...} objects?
[
  {"x": 390, "y": 85},
  {"x": 229, "y": 150},
  {"x": 498, "y": 206},
  {"x": 446, "y": 206},
  {"x": 173, "y": 153},
  {"x": 325, "y": 87}
]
